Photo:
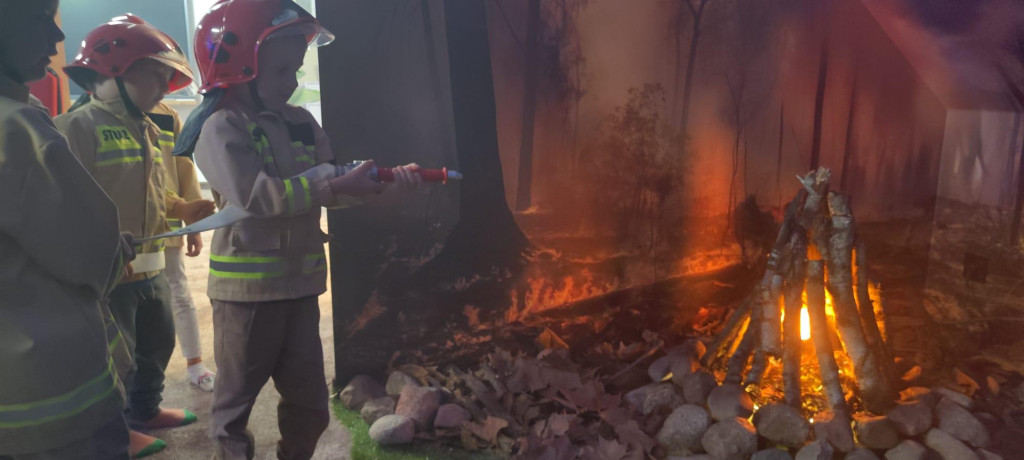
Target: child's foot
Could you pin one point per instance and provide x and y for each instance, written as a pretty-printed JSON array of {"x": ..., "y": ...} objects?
[
  {"x": 168, "y": 418},
  {"x": 201, "y": 377},
  {"x": 144, "y": 445}
]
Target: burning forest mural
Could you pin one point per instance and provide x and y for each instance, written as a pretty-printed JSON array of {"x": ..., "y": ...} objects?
[{"x": 653, "y": 252}]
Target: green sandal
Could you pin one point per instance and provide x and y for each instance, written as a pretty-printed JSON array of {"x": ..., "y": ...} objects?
[
  {"x": 151, "y": 449},
  {"x": 190, "y": 418}
]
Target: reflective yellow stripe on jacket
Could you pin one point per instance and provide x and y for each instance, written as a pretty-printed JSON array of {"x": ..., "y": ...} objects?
[
  {"x": 241, "y": 267},
  {"x": 165, "y": 139},
  {"x": 62, "y": 406},
  {"x": 298, "y": 195},
  {"x": 116, "y": 146}
]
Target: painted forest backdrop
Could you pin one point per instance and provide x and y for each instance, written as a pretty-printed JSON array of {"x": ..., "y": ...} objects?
[{"x": 609, "y": 144}]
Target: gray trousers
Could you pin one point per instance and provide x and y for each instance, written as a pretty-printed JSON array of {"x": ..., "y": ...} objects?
[
  {"x": 109, "y": 442},
  {"x": 256, "y": 341},
  {"x": 142, "y": 310}
]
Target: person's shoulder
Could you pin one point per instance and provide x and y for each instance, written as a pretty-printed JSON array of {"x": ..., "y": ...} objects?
[
  {"x": 18, "y": 116},
  {"x": 296, "y": 114},
  {"x": 224, "y": 122},
  {"x": 24, "y": 132},
  {"x": 226, "y": 116},
  {"x": 81, "y": 119}
]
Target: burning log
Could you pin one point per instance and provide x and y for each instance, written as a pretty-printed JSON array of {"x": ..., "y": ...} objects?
[
  {"x": 778, "y": 261},
  {"x": 763, "y": 332},
  {"x": 874, "y": 387},
  {"x": 767, "y": 315},
  {"x": 738, "y": 360},
  {"x": 728, "y": 334},
  {"x": 822, "y": 342},
  {"x": 791, "y": 326},
  {"x": 867, "y": 309}
]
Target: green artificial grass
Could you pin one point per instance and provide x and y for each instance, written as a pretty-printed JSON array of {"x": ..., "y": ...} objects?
[{"x": 364, "y": 448}]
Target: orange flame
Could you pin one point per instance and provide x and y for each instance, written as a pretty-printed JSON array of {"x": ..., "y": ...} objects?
[{"x": 805, "y": 324}]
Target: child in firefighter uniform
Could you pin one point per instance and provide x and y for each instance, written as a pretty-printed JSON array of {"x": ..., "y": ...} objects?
[
  {"x": 183, "y": 181},
  {"x": 60, "y": 255},
  {"x": 273, "y": 160},
  {"x": 128, "y": 66}
]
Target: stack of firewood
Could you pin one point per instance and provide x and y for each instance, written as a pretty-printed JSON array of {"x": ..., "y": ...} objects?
[{"x": 816, "y": 249}]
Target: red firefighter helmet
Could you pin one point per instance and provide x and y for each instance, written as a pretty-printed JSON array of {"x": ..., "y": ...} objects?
[
  {"x": 113, "y": 47},
  {"x": 229, "y": 36}
]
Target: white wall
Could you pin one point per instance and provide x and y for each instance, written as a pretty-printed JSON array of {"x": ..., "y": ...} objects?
[{"x": 980, "y": 154}]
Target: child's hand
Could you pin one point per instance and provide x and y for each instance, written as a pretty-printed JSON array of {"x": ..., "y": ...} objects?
[
  {"x": 356, "y": 182},
  {"x": 406, "y": 178},
  {"x": 194, "y": 211},
  {"x": 127, "y": 254},
  {"x": 195, "y": 244}
]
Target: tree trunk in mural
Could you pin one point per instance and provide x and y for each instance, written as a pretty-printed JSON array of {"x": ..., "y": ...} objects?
[
  {"x": 819, "y": 105},
  {"x": 697, "y": 12},
  {"x": 778, "y": 160},
  {"x": 486, "y": 236},
  {"x": 848, "y": 147},
  {"x": 435, "y": 72},
  {"x": 524, "y": 185},
  {"x": 1018, "y": 203}
]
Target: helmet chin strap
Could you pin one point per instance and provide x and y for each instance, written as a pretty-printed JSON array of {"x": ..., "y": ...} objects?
[
  {"x": 255, "y": 95},
  {"x": 129, "y": 105}
]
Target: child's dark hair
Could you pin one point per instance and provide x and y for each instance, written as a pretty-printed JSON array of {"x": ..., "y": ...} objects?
[{"x": 186, "y": 143}]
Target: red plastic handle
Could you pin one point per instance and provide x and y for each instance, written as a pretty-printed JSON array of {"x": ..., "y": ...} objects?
[{"x": 428, "y": 175}]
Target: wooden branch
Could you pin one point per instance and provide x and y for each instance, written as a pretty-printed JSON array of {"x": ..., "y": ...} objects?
[
  {"x": 822, "y": 342},
  {"x": 757, "y": 367},
  {"x": 738, "y": 361},
  {"x": 756, "y": 317},
  {"x": 779, "y": 260},
  {"x": 792, "y": 345},
  {"x": 875, "y": 392},
  {"x": 728, "y": 333},
  {"x": 643, "y": 357},
  {"x": 786, "y": 228},
  {"x": 867, "y": 315},
  {"x": 771, "y": 322},
  {"x": 816, "y": 184}
]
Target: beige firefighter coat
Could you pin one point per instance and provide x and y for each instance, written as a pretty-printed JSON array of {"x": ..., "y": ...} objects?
[
  {"x": 128, "y": 158},
  {"x": 59, "y": 257},
  {"x": 255, "y": 161},
  {"x": 182, "y": 179}
]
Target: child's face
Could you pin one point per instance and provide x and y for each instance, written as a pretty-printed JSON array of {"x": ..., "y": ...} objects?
[
  {"x": 28, "y": 37},
  {"x": 279, "y": 61},
  {"x": 146, "y": 82}
]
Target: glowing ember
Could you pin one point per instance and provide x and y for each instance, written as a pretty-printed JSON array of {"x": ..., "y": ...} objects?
[{"x": 805, "y": 324}]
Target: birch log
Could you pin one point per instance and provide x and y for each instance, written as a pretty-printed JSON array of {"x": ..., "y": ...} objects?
[
  {"x": 867, "y": 313},
  {"x": 875, "y": 392},
  {"x": 822, "y": 342},
  {"x": 792, "y": 347}
]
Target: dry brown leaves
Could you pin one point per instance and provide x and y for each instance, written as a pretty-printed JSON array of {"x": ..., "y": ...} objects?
[{"x": 548, "y": 407}]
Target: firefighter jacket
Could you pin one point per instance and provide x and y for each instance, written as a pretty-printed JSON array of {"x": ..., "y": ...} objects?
[
  {"x": 182, "y": 179},
  {"x": 256, "y": 162},
  {"x": 59, "y": 258},
  {"x": 128, "y": 157}
]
